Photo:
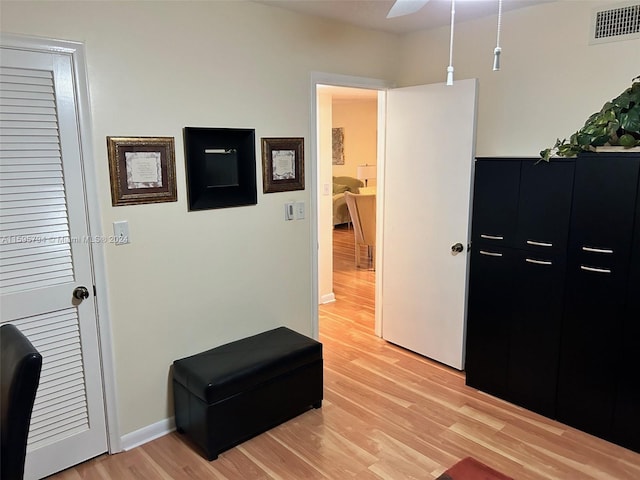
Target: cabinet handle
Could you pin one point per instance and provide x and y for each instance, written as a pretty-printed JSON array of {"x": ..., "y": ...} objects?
[
  {"x": 491, "y": 254},
  {"x": 594, "y": 269},
  {"x": 538, "y": 262},
  {"x": 597, "y": 250},
  {"x": 539, "y": 244},
  {"x": 491, "y": 237}
]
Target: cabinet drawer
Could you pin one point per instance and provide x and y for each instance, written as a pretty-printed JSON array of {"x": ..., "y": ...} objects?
[
  {"x": 534, "y": 333},
  {"x": 544, "y": 205},
  {"x": 488, "y": 318},
  {"x": 591, "y": 353},
  {"x": 495, "y": 202},
  {"x": 604, "y": 203}
]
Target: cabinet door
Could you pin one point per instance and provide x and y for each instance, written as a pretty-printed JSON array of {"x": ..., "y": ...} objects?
[
  {"x": 604, "y": 202},
  {"x": 626, "y": 419},
  {"x": 534, "y": 343},
  {"x": 495, "y": 202},
  {"x": 544, "y": 208},
  {"x": 591, "y": 353},
  {"x": 488, "y": 318},
  {"x": 597, "y": 280}
]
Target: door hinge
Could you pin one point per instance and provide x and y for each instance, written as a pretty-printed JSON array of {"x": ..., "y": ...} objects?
[{"x": 95, "y": 291}]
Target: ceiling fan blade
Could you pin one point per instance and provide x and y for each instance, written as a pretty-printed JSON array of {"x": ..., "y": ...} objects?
[{"x": 406, "y": 7}]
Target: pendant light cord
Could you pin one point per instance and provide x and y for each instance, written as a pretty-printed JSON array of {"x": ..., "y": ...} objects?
[
  {"x": 498, "y": 50},
  {"x": 450, "y": 67}
]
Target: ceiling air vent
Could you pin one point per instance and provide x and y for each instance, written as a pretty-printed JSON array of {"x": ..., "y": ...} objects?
[{"x": 621, "y": 22}]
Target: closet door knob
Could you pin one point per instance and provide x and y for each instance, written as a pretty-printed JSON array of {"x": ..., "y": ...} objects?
[{"x": 81, "y": 293}]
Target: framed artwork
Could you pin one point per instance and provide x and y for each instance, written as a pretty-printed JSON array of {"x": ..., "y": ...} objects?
[
  {"x": 282, "y": 164},
  {"x": 142, "y": 170},
  {"x": 337, "y": 143}
]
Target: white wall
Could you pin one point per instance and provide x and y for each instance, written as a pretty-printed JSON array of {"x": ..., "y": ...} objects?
[
  {"x": 551, "y": 79},
  {"x": 192, "y": 280},
  {"x": 325, "y": 200}
]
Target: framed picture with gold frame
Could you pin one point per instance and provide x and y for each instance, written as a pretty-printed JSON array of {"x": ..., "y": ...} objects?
[
  {"x": 282, "y": 164},
  {"x": 142, "y": 170}
]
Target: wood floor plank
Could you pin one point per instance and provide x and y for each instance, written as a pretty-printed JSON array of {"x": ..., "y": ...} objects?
[{"x": 388, "y": 413}]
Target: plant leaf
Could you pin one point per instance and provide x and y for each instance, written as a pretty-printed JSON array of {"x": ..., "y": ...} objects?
[
  {"x": 627, "y": 141},
  {"x": 630, "y": 120}
]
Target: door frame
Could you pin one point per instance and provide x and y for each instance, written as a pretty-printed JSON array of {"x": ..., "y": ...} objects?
[
  {"x": 338, "y": 80},
  {"x": 76, "y": 51}
]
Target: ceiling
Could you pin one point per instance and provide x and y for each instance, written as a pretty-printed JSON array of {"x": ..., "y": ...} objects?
[{"x": 372, "y": 13}]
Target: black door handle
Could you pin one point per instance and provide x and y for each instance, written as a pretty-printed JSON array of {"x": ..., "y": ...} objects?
[
  {"x": 457, "y": 248},
  {"x": 81, "y": 293}
]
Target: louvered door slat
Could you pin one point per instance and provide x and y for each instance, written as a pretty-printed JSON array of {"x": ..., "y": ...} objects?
[
  {"x": 48, "y": 394},
  {"x": 27, "y": 249},
  {"x": 36, "y": 157},
  {"x": 9, "y": 260},
  {"x": 42, "y": 216},
  {"x": 57, "y": 338},
  {"x": 24, "y": 72},
  {"x": 21, "y": 124},
  {"x": 35, "y": 101},
  {"x": 22, "y": 95},
  {"x": 13, "y": 171},
  {"x": 11, "y": 118},
  {"x": 53, "y": 263},
  {"x": 42, "y": 222},
  {"x": 70, "y": 393},
  {"x": 24, "y": 277},
  {"x": 60, "y": 367},
  {"x": 39, "y": 127},
  {"x": 26, "y": 203}
]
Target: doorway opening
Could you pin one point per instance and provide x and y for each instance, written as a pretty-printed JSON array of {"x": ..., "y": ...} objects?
[{"x": 347, "y": 152}]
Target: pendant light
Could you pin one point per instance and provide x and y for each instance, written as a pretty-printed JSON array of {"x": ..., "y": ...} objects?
[
  {"x": 450, "y": 67},
  {"x": 497, "y": 51}
]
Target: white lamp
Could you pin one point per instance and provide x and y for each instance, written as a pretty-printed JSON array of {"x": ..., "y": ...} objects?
[{"x": 366, "y": 172}]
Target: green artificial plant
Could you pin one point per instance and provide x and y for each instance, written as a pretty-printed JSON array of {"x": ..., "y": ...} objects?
[{"x": 616, "y": 124}]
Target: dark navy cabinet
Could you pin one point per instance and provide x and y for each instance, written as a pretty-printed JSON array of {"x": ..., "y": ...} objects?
[
  {"x": 602, "y": 223},
  {"x": 626, "y": 413},
  {"x": 553, "y": 319},
  {"x": 520, "y": 227}
]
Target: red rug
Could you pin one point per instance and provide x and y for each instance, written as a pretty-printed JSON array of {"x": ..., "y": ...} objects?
[{"x": 471, "y": 469}]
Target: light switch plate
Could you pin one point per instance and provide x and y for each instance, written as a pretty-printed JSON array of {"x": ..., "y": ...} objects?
[
  {"x": 121, "y": 232},
  {"x": 289, "y": 211}
]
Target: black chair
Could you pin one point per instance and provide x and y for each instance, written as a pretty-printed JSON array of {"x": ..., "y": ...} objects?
[{"x": 20, "y": 366}]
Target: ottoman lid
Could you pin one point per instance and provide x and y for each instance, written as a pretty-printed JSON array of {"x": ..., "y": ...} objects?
[{"x": 234, "y": 367}]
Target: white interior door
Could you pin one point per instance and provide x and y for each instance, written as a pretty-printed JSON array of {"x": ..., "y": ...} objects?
[
  {"x": 45, "y": 255},
  {"x": 430, "y": 137}
]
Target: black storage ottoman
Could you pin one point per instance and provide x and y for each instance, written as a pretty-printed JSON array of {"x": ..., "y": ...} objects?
[{"x": 236, "y": 391}]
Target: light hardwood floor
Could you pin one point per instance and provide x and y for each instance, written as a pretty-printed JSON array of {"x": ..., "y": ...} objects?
[{"x": 387, "y": 413}]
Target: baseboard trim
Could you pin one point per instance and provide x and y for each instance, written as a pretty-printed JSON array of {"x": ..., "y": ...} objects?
[
  {"x": 148, "y": 433},
  {"x": 328, "y": 298}
]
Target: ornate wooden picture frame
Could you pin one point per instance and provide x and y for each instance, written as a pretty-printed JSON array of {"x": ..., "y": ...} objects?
[
  {"x": 142, "y": 170},
  {"x": 282, "y": 164}
]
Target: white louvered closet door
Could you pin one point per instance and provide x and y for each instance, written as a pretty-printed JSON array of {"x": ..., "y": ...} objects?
[{"x": 45, "y": 255}]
